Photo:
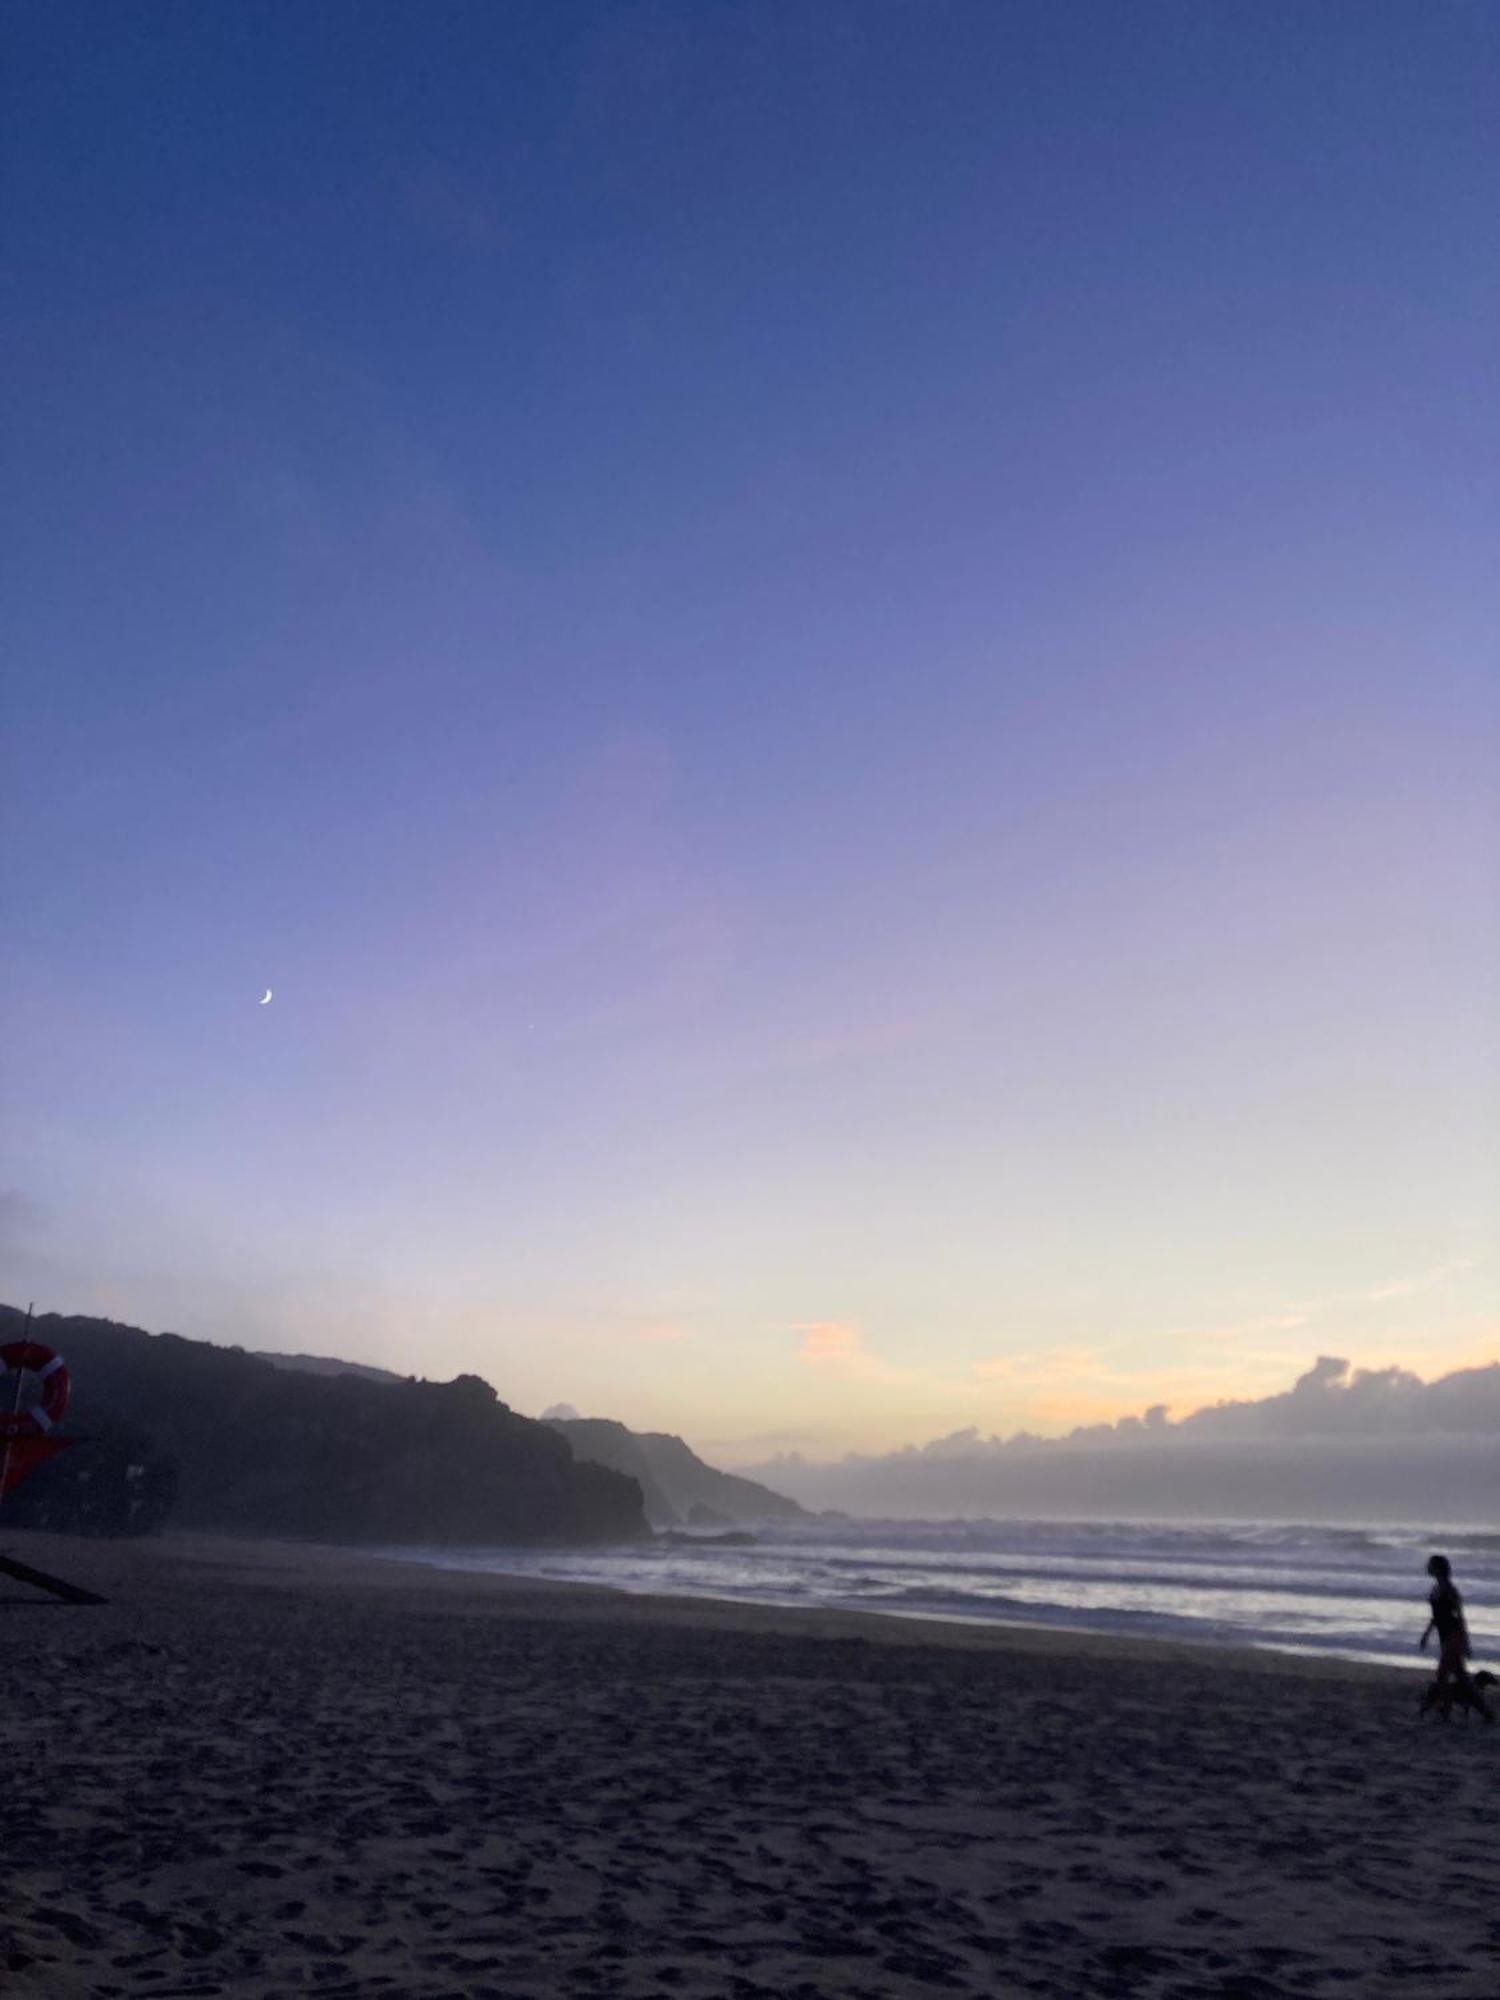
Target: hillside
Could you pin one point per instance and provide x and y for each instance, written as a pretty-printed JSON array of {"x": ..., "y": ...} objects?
[
  {"x": 260, "y": 1449},
  {"x": 679, "y": 1490},
  {"x": 325, "y": 1364}
]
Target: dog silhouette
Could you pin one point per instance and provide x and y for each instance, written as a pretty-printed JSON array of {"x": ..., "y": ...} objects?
[{"x": 1441, "y": 1698}]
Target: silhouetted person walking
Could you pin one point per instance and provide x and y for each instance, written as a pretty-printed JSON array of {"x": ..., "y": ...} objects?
[{"x": 1447, "y": 1621}]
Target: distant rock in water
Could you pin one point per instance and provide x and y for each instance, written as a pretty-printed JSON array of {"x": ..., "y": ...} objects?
[
  {"x": 677, "y": 1487},
  {"x": 257, "y": 1447}
]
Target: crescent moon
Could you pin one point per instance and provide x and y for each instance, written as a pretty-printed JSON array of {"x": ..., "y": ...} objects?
[{"x": 266, "y": 998}]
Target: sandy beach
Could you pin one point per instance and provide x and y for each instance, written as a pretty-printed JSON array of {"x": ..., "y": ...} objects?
[{"x": 262, "y": 1769}]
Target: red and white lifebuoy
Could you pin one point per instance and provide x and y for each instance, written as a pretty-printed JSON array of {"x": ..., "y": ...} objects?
[{"x": 52, "y": 1371}]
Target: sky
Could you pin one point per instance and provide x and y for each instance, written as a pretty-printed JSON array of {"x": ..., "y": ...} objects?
[{"x": 838, "y": 663}]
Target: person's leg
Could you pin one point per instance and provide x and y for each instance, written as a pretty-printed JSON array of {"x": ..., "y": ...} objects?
[
  {"x": 1450, "y": 1675},
  {"x": 1450, "y": 1666}
]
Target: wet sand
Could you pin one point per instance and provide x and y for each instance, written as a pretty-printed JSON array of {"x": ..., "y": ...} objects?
[{"x": 264, "y": 1770}]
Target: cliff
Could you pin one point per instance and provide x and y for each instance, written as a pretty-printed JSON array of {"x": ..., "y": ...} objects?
[{"x": 677, "y": 1487}]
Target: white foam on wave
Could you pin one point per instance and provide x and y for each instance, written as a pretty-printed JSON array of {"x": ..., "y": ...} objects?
[{"x": 1349, "y": 1591}]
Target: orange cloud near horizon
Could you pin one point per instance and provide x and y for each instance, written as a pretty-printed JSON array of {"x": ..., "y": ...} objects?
[
  {"x": 827, "y": 1340},
  {"x": 837, "y": 1346}
]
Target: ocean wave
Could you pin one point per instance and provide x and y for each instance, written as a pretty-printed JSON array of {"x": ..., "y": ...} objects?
[{"x": 1352, "y": 1591}]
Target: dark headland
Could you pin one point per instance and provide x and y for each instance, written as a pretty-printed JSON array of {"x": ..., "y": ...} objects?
[{"x": 180, "y": 1432}]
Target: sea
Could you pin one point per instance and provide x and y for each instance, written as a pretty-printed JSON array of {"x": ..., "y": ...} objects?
[{"x": 1350, "y": 1592}]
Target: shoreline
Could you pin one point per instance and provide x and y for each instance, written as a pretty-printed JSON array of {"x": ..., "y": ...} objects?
[
  {"x": 937, "y": 1628},
  {"x": 298, "y": 1566},
  {"x": 473, "y": 1561}
]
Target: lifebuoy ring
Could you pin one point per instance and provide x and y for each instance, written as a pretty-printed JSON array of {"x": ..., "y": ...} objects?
[{"x": 57, "y": 1386}]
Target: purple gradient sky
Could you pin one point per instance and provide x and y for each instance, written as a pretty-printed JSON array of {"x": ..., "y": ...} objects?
[{"x": 840, "y": 661}]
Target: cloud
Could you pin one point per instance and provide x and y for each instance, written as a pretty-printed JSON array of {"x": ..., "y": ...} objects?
[
  {"x": 1341, "y": 1443},
  {"x": 835, "y": 1346},
  {"x": 827, "y": 1340},
  {"x": 1329, "y": 1399},
  {"x": 660, "y": 1333},
  {"x": 1334, "y": 1400}
]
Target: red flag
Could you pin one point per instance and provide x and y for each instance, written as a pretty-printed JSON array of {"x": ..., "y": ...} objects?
[{"x": 18, "y": 1456}]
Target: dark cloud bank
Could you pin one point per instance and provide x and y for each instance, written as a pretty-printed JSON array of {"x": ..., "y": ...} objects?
[{"x": 1355, "y": 1445}]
